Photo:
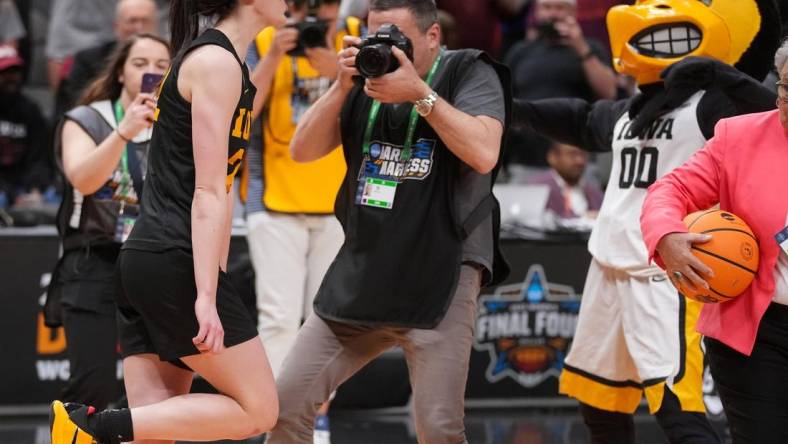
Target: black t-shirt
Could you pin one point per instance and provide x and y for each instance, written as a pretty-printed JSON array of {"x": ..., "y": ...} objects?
[
  {"x": 165, "y": 217},
  {"x": 25, "y": 160},
  {"x": 545, "y": 70}
]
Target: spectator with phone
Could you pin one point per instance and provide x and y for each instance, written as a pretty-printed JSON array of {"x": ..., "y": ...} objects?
[
  {"x": 293, "y": 235},
  {"x": 555, "y": 60},
  {"x": 101, "y": 147}
]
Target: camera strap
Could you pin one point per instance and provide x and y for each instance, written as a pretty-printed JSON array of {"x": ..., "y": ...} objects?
[{"x": 414, "y": 117}]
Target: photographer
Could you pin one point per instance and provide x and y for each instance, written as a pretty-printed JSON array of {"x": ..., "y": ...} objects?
[
  {"x": 421, "y": 141},
  {"x": 555, "y": 60},
  {"x": 102, "y": 149},
  {"x": 292, "y": 233}
]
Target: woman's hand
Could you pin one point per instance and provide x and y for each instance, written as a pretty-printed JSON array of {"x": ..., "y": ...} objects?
[
  {"x": 682, "y": 266},
  {"x": 210, "y": 338},
  {"x": 138, "y": 116}
]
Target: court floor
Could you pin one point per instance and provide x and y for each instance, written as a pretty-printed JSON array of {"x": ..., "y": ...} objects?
[{"x": 526, "y": 426}]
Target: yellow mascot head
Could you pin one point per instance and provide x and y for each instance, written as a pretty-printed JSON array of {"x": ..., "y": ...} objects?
[{"x": 651, "y": 35}]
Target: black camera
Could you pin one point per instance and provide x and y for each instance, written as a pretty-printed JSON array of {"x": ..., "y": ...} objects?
[
  {"x": 547, "y": 31},
  {"x": 375, "y": 57},
  {"x": 311, "y": 34}
]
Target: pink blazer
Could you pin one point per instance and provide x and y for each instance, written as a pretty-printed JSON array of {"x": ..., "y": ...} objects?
[{"x": 744, "y": 167}]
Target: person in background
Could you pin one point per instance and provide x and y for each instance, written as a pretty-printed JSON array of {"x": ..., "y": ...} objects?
[
  {"x": 12, "y": 29},
  {"x": 572, "y": 193},
  {"x": 450, "y": 38},
  {"x": 746, "y": 338},
  {"x": 102, "y": 147},
  {"x": 478, "y": 21},
  {"x": 75, "y": 25},
  {"x": 293, "y": 235},
  {"x": 131, "y": 17},
  {"x": 554, "y": 61},
  {"x": 25, "y": 164}
]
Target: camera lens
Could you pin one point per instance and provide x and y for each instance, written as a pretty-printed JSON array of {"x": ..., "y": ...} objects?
[
  {"x": 374, "y": 60},
  {"x": 313, "y": 36}
]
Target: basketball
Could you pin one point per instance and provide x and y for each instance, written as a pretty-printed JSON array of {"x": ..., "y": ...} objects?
[{"x": 732, "y": 253}]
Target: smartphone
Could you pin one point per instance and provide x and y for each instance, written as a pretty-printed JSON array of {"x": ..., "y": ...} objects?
[{"x": 150, "y": 82}]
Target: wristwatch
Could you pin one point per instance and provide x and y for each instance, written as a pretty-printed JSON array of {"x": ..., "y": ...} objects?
[{"x": 424, "y": 106}]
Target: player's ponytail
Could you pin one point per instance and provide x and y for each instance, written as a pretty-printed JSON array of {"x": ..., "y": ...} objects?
[{"x": 185, "y": 18}]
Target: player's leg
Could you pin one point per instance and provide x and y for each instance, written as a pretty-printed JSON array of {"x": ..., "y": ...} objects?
[
  {"x": 753, "y": 389},
  {"x": 438, "y": 365},
  {"x": 323, "y": 357},
  {"x": 599, "y": 371},
  {"x": 149, "y": 380},
  {"x": 278, "y": 245},
  {"x": 660, "y": 332}
]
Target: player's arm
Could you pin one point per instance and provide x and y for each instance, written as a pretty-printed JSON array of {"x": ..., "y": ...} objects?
[
  {"x": 213, "y": 105},
  {"x": 318, "y": 132},
  {"x": 572, "y": 121}
]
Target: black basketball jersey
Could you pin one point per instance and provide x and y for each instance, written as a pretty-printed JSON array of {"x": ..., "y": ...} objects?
[{"x": 165, "y": 216}]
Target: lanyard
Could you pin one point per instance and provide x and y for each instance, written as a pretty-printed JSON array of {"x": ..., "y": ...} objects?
[
  {"x": 414, "y": 117},
  {"x": 124, "y": 158},
  {"x": 125, "y": 175}
]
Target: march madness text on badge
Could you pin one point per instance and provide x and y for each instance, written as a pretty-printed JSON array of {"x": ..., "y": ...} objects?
[
  {"x": 385, "y": 161},
  {"x": 527, "y": 329}
]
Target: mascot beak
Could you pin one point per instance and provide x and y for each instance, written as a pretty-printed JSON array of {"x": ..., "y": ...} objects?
[{"x": 651, "y": 35}]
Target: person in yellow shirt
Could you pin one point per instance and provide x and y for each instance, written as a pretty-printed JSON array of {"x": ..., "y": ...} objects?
[{"x": 293, "y": 235}]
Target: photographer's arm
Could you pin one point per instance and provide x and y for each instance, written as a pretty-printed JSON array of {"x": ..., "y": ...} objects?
[
  {"x": 475, "y": 139},
  {"x": 262, "y": 77},
  {"x": 318, "y": 132}
]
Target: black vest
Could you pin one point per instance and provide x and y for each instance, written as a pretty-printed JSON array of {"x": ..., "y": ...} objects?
[
  {"x": 400, "y": 267},
  {"x": 90, "y": 221}
]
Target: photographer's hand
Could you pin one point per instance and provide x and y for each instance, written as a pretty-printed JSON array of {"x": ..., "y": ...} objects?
[
  {"x": 571, "y": 35},
  {"x": 138, "y": 116},
  {"x": 347, "y": 63},
  {"x": 324, "y": 60},
  {"x": 404, "y": 85},
  {"x": 285, "y": 39}
]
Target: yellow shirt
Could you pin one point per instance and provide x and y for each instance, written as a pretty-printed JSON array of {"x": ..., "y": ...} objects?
[{"x": 292, "y": 187}]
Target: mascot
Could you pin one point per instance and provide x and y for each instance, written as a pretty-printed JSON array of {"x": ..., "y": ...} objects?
[{"x": 695, "y": 62}]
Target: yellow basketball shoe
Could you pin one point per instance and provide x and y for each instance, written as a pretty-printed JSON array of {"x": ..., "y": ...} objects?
[{"x": 62, "y": 430}]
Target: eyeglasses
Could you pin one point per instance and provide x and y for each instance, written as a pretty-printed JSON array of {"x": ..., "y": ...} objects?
[{"x": 782, "y": 87}]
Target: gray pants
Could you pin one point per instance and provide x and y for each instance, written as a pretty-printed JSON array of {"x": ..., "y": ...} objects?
[{"x": 326, "y": 354}]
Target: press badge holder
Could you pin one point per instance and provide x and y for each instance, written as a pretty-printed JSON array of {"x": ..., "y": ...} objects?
[
  {"x": 376, "y": 192},
  {"x": 123, "y": 225}
]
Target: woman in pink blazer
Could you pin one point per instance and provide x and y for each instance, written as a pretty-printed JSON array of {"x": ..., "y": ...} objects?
[{"x": 744, "y": 168}]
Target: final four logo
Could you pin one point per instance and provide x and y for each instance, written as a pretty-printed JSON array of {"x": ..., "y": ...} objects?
[
  {"x": 527, "y": 328},
  {"x": 386, "y": 161}
]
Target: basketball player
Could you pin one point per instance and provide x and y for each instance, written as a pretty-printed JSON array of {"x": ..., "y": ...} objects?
[
  {"x": 177, "y": 310},
  {"x": 636, "y": 335}
]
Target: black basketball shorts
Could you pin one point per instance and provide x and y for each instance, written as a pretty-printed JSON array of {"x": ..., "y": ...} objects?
[{"x": 156, "y": 297}]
